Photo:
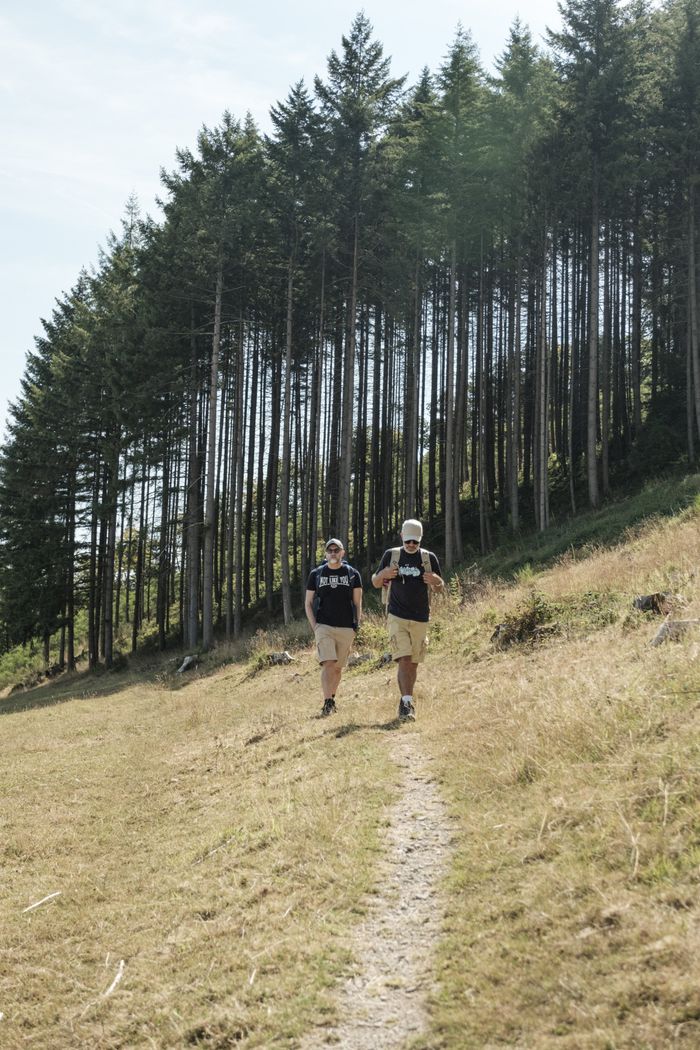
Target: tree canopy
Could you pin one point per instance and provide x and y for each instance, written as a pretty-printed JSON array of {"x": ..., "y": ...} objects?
[{"x": 473, "y": 300}]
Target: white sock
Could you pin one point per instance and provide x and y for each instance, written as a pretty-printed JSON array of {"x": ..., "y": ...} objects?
[{"x": 408, "y": 698}]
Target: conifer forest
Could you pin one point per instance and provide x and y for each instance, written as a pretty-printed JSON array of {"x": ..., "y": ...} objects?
[{"x": 471, "y": 299}]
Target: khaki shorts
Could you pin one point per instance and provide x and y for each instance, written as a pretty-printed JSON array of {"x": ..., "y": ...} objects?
[
  {"x": 333, "y": 643},
  {"x": 407, "y": 638}
]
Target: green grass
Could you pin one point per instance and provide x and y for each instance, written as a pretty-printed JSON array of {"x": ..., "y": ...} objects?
[{"x": 591, "y": 529}]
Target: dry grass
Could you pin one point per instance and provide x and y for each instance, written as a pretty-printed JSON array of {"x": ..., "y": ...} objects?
[
  {"x": 218, "y": 837},
  {"x": 573, "y": 770}
]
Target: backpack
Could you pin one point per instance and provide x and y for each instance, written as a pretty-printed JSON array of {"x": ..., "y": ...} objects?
[
  {"x": 316, "y": 604},
  {"x": 394, "y": 561}
]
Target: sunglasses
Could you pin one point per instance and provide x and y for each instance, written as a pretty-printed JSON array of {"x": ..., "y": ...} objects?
[
  {"x": 411, "y": 541},
  {"x": 334, "y": 550}
]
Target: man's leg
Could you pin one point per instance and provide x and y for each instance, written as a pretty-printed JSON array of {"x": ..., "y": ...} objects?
[
  {"x": 407, "y": 673},
  {"x": 404, "y": 651},
  {"x": 330, "y": 678}
]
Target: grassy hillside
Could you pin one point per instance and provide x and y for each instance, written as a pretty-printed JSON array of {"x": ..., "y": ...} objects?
[{"x": 211, "y": 840}]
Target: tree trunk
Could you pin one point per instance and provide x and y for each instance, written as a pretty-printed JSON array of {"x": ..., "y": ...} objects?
[
  {"x": 411, "y": 401},
  {"x": 448, "y": 503},
  {"x": 272, "y": 477},
  {"x": 313, "y": 457},
  {"x": 636, "y": 347},
  {"x": 163, "y": 555},
  {"x": 592, "y": 413},
  {"x": 138, "y": 574},
  {"x": 346, "y": 432},
  {"x": 542, "y": 405},
  {"x": 193, "y": 505},
  {"x": 250, "y": 476},
  {"x": 484, "y": 524},
  {"x": 693, "y": 305},
  {"x": 238, "y": 509},
  {"x": 108, "y": 566},
  {"x": 689, "y": 404},
  {"x": 513, "y": 401},
  {"x": 209, "y": 517},
  {"x": 70, "y": 595},
  {"x": 605, "y": 369},
  {"x": 286, "y": 453},
  {"x": 93, "y": 648}
]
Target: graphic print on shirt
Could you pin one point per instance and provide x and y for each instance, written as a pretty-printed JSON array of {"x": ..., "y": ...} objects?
[
  {"x": 410, "y": 570},
  {"x": 333, "y": 581}
]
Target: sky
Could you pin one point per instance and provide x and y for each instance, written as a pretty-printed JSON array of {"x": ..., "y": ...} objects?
[{"x": 96, "y": 96}]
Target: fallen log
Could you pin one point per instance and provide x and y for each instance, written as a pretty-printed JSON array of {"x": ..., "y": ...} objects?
[
  {"x": 358, "y": 658},
  {"x": 279, "y": 658},
  {"x": 188, "y": 664}
]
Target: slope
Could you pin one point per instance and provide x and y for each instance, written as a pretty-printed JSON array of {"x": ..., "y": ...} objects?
[{"x": 214, "y": 845}]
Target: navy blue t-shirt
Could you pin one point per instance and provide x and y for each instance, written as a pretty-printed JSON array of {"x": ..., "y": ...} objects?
[
  {"x": 408, "y": 596},
  {"x": 334, "y": 588}
]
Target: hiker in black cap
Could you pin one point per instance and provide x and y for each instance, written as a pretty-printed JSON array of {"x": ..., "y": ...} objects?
[{"x": 333, "y": 608}]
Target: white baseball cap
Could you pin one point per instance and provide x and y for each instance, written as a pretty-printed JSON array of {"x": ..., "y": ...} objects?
[{"x": 412, "y": 530}]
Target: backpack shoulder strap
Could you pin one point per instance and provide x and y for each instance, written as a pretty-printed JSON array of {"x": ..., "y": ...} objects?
[
  {"x": 393, "y": 563},
  {"x": 350, "y": 570},
  {"x": 427, "y": 567},
  {"x": 318, "y": 572}
]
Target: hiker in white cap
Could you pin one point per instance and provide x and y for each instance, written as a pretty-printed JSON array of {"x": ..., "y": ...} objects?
[{"x": 409, "y": 573}]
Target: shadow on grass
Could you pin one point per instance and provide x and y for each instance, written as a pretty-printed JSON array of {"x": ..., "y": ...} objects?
[
  {"x": 141, "y": 669},
  {"x": 353, "y": 727},
  {"x": 84, "y": 686}
]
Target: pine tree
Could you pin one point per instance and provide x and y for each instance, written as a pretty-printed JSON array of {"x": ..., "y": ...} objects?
[
  {"x": 463, "y": 99},
  {"x": 357, "y": 102},
  {"x": 294, "y": 153},
  {"x": 591, "y": 59}
]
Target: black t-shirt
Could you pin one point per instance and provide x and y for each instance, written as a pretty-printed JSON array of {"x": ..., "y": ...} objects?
[
  {"x": 334, "y": 588},
  {"x": 408, "y": 597}
]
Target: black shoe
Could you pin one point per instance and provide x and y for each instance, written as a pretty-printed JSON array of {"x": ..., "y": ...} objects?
[
  {"x": 407, "y": 710},
  {"x": 328, "y": 707}
]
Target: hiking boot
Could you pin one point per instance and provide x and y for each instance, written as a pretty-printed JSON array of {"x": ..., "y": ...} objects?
[
  {"x": 328, "y": 707},
  {"x": 406, "y": 709}
]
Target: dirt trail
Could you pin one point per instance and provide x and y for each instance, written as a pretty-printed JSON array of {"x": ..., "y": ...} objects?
[{"x": 384, "y": 1003}]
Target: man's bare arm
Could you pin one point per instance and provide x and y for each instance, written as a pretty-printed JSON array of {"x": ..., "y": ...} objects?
[{"x": 309, "y": 609}]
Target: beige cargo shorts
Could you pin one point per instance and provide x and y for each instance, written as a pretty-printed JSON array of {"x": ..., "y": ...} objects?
[
  {"x": 407, "y": 638},
  {"x": 333, "y": 643}
]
